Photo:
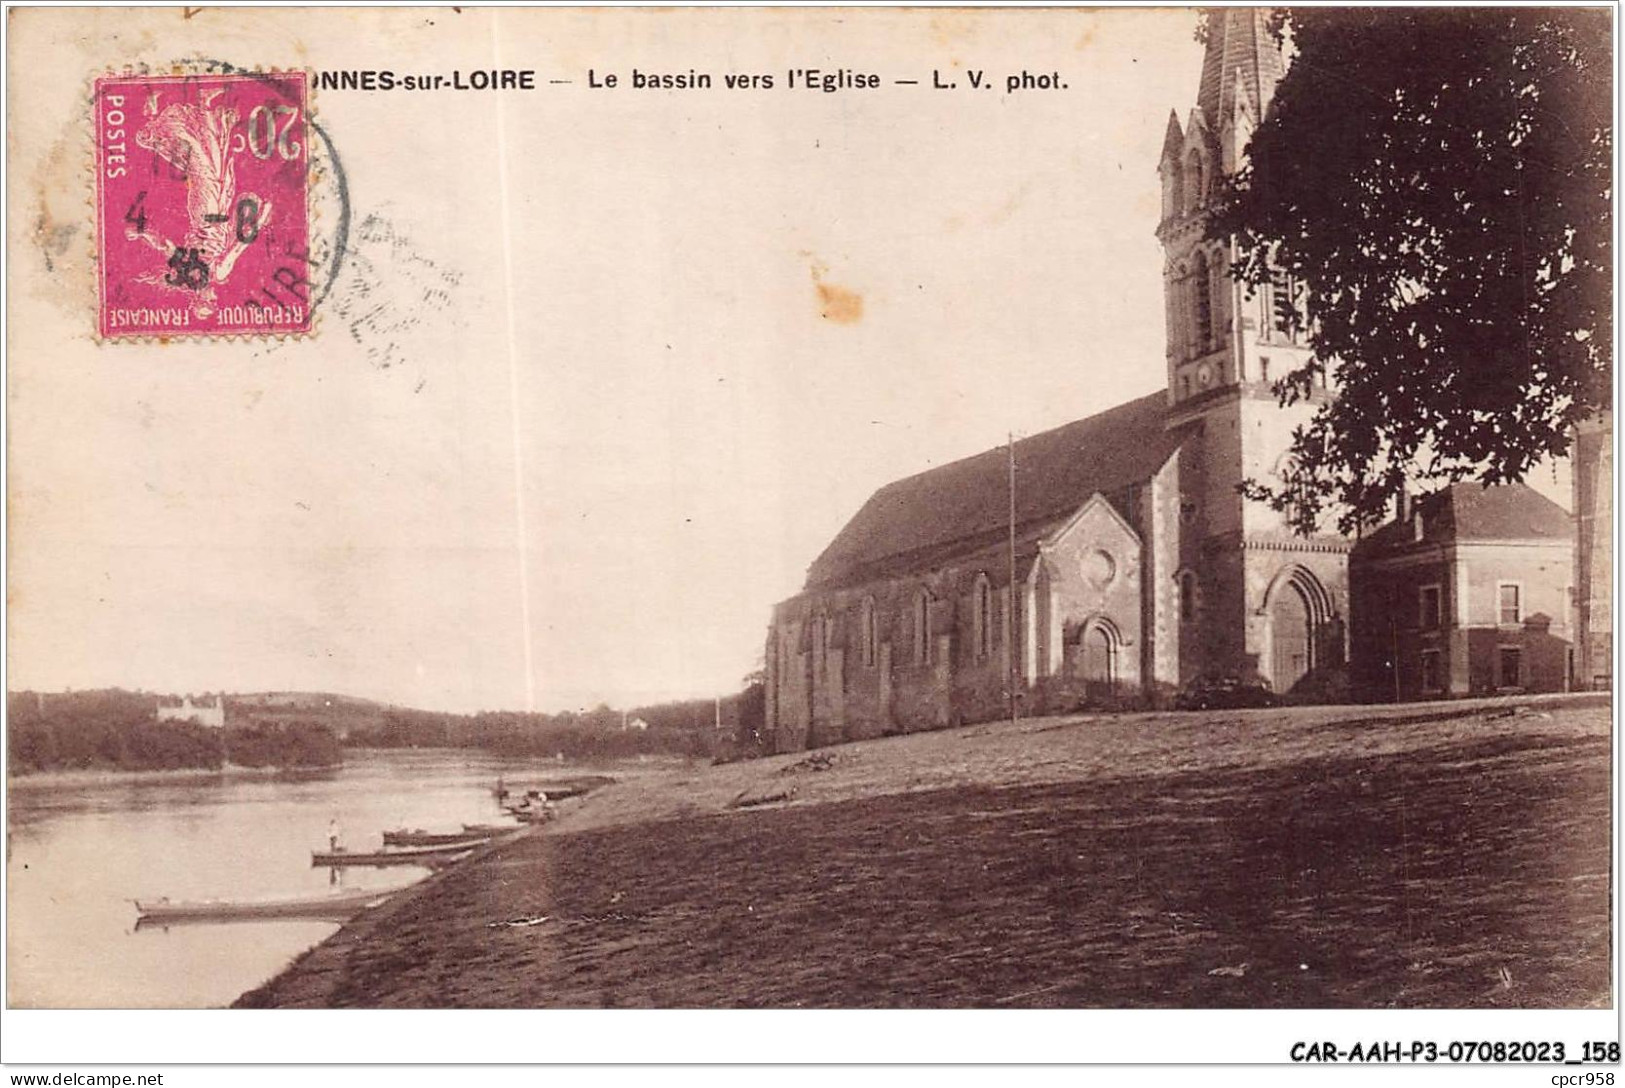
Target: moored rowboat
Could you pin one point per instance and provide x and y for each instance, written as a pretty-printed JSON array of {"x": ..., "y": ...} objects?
[
  {"x": 326, "y": 905},
  {"x": 419, "y": 837},
  {"x": 405, "y": 855}
]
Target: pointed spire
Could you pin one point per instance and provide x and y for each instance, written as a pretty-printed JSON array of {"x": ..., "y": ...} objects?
[
  {"x": 1173, "y": 143},
  {"x": 1241, "y": 61}
]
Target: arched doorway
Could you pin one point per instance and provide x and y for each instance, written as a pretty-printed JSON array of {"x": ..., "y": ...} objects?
[
  {"x": 1292, "y": 640},
  {"x": 1299, "y": 608},
  {"x": 1098, "y": 660}
]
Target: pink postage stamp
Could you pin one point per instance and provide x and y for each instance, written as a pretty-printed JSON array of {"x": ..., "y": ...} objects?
[{"x": 203, "y": 204}]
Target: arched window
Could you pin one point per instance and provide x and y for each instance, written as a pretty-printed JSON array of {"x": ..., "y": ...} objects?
[
  {"x": 870, "y": 639},
  {"x": 1285, "y": 310},
  {"x": 922, "y": 628},
  {"x": 1182, "y": 316},
  {"x": 1204, "y": 303},
  {"x": 1171, "y": 202},
  {"x": 1195, "y": 182},
  {"x": 823, "y": 633},
  {"x": 984, "y": 616},
  {"x": 1187, "y": 597}
]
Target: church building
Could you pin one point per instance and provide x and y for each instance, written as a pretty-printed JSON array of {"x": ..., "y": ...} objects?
[{"x": 1109, "y": 561}]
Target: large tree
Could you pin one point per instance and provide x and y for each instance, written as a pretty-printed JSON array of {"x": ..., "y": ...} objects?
[{"x": 1440, "y": 181}]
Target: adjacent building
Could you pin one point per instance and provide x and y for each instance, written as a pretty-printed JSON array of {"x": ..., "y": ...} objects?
[
  {"x": 201, "y": 713},
  {"x": 1466, "y": 592}
]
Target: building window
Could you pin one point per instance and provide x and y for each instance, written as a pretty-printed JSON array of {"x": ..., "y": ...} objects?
[
  {"x": 1185, "y": 385},
  {"x": 1281, "y": 302},
  {"x": 1430, "y": 671},
  {"x": 1195, "y": 187},
  {"x": 869, "y": 633},
  {"x": 984, "y": 616},
  {"x": 1510, "y": 603},
  {"x": 1264, "y": 369},
  {"x": 1187, "y": 597},
  {"x": 1429, "y": 617},
  {"x": 1204, "y": 304},
  {"x": 1286, "y": 312},
  {"x": 922, "y": 628},
  {"x": 1187, "y": 511},
  {"x": 1510, "y": 661}
]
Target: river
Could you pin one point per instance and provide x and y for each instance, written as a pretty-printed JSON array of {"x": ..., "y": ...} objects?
[{"x": 80, "y": 851}]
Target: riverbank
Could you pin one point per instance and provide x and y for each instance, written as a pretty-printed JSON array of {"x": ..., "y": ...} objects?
[
  {"x": 1433, "y": 855},
  {"x": 111, "y": 777}
]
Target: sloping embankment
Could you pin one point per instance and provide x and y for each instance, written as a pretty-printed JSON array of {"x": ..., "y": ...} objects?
[{"x": 1426, "y": 855}]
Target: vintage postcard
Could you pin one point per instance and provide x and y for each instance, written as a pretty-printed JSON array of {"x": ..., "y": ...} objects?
[{"x": 1093, "y": 509}]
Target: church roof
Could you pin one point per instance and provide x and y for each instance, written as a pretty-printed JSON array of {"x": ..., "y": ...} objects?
[
  {"x": 1470, "y": 511},
  {"x": 964, "y": 506},
  {"x": 1241, "y": 58}
]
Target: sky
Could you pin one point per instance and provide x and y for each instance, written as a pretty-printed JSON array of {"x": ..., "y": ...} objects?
[{"x": 603, "y": 369}]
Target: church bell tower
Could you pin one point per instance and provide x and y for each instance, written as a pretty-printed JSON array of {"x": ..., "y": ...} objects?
[{"x": 1257, "y": 601}]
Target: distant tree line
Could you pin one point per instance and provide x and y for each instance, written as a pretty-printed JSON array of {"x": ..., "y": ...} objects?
[
  {"x": 298, "y": 743},
  {"x": 685, "y": 728},
  {"x": 118, "y": 730}
]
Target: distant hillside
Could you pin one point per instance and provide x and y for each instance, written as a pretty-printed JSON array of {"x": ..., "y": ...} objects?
[
  {"x": 306, "y": 700},
  {"x": 344, "y": 714},
  {"x": 95, "y": 728}
]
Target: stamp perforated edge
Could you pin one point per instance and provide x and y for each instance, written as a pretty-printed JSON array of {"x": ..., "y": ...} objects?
[{"x": 92, "y": 194}]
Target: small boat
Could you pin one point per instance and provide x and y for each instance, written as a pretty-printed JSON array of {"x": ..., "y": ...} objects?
[
  {"x": 403, "y": 855},
  {"x": 327, "y": 905},
  {"x": 492, "y": 829},
  {"x": 535, "y": 815},
  {"x": 419, "y": 837},
  {"x": 560, "y": 788}
]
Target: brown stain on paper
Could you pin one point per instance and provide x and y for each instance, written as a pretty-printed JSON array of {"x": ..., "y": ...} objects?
[
  {"x": 842, "y": 305},
  {"x": 838, "y": 304},
  {"x": 952, "y": 28},
  {"x": 61, "y": 212}
]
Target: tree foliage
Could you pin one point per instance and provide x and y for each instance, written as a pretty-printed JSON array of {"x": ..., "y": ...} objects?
[
  {"x": 260, "y": 743},
  {"x": 1439, "y": 179},
  {"x": 102, "y": 730}
]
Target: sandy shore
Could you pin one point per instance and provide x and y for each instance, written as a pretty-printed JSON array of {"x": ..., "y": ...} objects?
[{"x": 1437, "y": 855}]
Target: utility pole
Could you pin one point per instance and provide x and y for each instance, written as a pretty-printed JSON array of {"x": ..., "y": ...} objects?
[
  {"x": 1010, "y": 608},
  {"x": 1393, "y": 635}
]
